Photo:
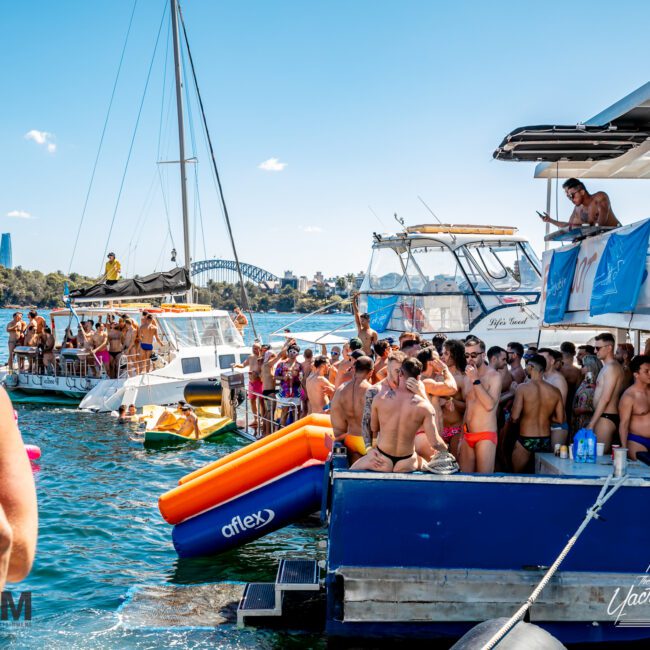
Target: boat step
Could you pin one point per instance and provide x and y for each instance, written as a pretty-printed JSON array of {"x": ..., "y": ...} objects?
[
  {"x": 297, "y": 575},
  {"x": 259, "y": 599}
]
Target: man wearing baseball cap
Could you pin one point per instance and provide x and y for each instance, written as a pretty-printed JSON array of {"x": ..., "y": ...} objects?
[{"x": 112, "y": 270}]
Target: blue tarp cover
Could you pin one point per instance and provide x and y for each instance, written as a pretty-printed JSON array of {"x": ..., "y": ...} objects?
[{"x": 558, "y": 284}]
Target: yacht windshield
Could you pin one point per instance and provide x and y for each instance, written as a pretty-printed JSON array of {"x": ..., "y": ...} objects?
[
  {"x": 386, "y": 268},
  {"x": 503, "y": 265},
  {"x": 201, "y": 330}
]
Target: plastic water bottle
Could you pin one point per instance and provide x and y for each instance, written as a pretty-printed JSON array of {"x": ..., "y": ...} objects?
[
  {"x": 590, "y": 440},
  {"x": 580, "y": 456}
]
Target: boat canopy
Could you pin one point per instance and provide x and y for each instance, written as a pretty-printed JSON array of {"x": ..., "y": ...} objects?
[
  {"x": 576, "y": 143},
  {"x": 174, "y": 282},
  {"x": 615, "y": 143}
]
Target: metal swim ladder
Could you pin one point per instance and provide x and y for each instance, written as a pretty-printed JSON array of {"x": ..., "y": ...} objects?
[{"x": 265, "y": 598}]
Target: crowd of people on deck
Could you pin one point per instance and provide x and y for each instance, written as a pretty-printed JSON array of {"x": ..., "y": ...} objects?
[
  {"x": 111, "y": 347},
  {"x": 412, "y": 403}
]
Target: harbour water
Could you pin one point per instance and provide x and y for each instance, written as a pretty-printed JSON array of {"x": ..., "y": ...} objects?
[{"x": 100, "y": 532}]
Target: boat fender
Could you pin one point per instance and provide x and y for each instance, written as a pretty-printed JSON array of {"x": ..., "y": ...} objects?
[
  {"x": 33, "y": 452},
  {"x": 522, "y": 635}
]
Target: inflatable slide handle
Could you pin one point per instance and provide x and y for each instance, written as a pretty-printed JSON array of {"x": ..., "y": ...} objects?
[
  {"x": 315, "y": 419},
  {"x": 244, "y": 473}
]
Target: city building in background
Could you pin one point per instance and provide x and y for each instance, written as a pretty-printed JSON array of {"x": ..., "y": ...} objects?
[{"x": 5, "y": 251}]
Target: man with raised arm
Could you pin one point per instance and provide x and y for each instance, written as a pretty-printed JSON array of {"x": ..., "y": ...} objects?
[
  {"x": 367, "y": 335},
  {"x": 635, "y": 408},
  {"x": 482, "y": 389},
  {"x": 605, "y": 420},
  {"x": 588, "y": 209},
  {"x": 347, "y": 409},
  {"x": 397, "y": 416},
  {"x": 318, "y": 387},
  {"x": 537, "y": 404}
]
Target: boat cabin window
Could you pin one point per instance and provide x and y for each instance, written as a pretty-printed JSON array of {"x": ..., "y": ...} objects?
[
  {"x": 386, "y": 268},
  {"x": 438, "y": 269},
  {"x": 191, "y": 365},
  {"x": 197, "y": 330},
  {"x": 503, "y": 265},
  {"x": 226, "y": 361}
]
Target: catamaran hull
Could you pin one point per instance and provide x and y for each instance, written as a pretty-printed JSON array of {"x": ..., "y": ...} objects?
[{"x": 429, "y": 556}]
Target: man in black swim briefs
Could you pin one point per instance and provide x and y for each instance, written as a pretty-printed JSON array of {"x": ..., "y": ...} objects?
[{"x": 397, "y": 416}]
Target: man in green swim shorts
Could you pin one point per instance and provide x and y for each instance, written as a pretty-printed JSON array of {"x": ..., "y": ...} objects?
[{"x": 537, "y": 403}]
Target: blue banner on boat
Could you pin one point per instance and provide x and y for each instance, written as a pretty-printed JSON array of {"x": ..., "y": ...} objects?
[
  {"x": 620, "y": 273},
  {"x": 381, "y": 310},
  {"x": 558, "y": 284}
]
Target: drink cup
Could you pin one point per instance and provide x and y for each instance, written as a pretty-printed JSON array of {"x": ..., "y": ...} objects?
[{"x": 600, "y": 448}]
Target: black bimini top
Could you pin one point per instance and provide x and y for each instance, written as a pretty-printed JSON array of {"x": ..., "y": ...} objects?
[{"x": 548, "y": 143}]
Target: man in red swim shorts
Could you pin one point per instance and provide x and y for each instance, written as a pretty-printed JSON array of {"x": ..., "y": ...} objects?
[{"x": 482, "y": 390}]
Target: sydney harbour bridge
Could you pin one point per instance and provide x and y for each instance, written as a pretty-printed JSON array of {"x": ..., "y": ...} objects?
[{"x": 226, "y": 271}]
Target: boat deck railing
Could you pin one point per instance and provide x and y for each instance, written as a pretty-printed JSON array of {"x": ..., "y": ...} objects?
[{"x": 273, "y": 413}]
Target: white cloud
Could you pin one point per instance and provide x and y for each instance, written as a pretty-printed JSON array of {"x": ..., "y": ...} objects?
[
  {"x": 272, "y": 165},
  {"x": 311, "y": 229},
  {"x": 19, "y": 214},
  {"x": 42, "y": 138}
]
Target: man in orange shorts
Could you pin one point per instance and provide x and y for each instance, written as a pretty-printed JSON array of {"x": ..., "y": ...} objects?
[
  {"x": 482, "y": 389},
  {"x": 346, "y": 409}
]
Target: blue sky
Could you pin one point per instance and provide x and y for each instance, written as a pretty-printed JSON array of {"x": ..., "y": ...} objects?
[{"x": 362, "y": 103}]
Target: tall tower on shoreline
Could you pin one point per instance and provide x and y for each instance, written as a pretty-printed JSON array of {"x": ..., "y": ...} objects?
[{"x": 5, "y": 251}]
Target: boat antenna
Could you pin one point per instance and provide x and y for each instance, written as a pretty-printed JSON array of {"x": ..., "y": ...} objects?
[
  {"x": 435, "y": 216},
  {"x": 244, "y": 294},
  {"x": 400, "y": 221},
  {"x": 376, "y": 216},
  {"x": 178, "y": 74}
]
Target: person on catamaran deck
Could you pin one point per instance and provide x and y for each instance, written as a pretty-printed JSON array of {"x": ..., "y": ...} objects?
[
  {"x": 239, "y": 320},
  {"x": 112, "y": 270},
  {"x": 482, "y": 389},
  {"x": 396, "y": 418},
  {"x": 589, "y": 209},
  {"x": 347, "y": 409},
  {"x": 634, "y": 409},
  {"x": 318, "y": 387},
  {"x": 367, "y": 335},
  {"x": 537, "y": 403}
]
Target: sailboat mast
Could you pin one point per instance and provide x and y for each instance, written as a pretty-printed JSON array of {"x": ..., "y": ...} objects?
[{"x": 181, "y": 136}]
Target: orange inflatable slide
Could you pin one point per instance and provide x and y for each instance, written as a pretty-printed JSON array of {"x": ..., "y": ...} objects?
[{"x": 248, "y": 468}]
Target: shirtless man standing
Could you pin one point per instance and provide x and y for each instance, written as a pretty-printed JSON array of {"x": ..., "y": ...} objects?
[
  {"x": 148, "y": 332},
  {"x": 453, "y": 354},
  {"x": 397, "y": 416},
  {"x": 345, "y": 367},
  {"x": 346, "y": 409},
  {"x": 515, "y": 355},
  {"x": 605, "y": 420},
  {"x": 255, "y": 387},
  {"x": 269, "y": 390},
  {"x": 128, "y": 344},
  {"x": 318, "y": 388},
  {"x": 48, "y": 342},
  {"x": 553, "y": 375},
  {"x": 433, "y": 368},
  {"x": 335, "y": 359},
  {"x": 99, "y": 349},
  {"x": 16, "y": 327},
  {"x": 307, "y": 368},
  {"x": 589, "y": 209},
  {"x": 367, "y": 335},
  {"x": 635, "y": 409},
  {"x": 382, "y": 350},
  {"x": 482, "y": 388},
  {"x": 537, "y": 403}
]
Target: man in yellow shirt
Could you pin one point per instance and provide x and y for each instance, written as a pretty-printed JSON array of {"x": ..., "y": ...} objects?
[{"x": 113, "y": 270}]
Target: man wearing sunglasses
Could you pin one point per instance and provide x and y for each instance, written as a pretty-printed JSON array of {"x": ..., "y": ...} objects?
[
  {"x": 482, "y": 389},
  {"x": 588, "y": 209},
  {"x": 605, "y": 420}
]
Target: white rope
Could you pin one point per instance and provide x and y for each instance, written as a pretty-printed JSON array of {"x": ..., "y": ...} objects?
[{"x": 592, "y": 513}]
